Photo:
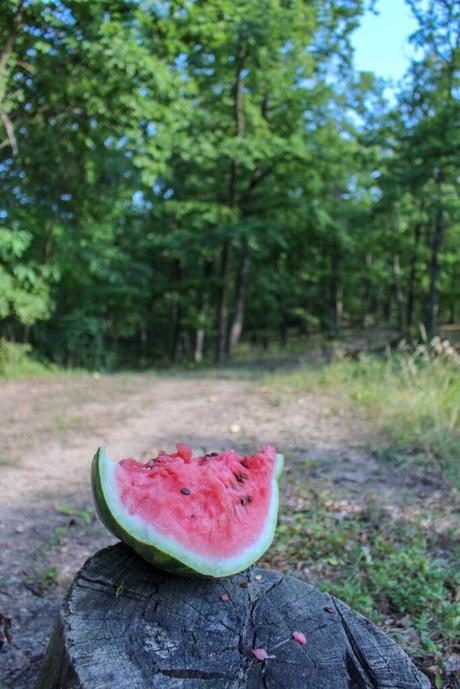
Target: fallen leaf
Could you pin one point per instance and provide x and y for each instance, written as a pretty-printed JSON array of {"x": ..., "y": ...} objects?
[
  {"x": 405, "y": 622},
  {"x": 298, "y": 636},
  {"x": 433, "y": 670},
  {"x": 261, "y": 654}
]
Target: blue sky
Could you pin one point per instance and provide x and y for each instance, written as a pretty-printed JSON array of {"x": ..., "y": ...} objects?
[{"x": 381, "y": 41}]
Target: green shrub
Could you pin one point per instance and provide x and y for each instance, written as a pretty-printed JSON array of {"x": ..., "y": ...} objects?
[{"x": 15, "y": 360}]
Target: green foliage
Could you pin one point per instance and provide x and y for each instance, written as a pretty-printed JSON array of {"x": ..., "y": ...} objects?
[
  {"x": 84, "y": 514},
  {"x": 174, "y": 174},
  {"x": 42, "y": 582},
  {"x": 382, "y": 566},
  {"x": 15, "y": 360},
  {"x": 24, "y": 285},
  {"x": 120, "y": 589}
]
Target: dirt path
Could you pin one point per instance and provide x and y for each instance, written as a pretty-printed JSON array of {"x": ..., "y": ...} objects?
[{"x": 50, "y": 430}]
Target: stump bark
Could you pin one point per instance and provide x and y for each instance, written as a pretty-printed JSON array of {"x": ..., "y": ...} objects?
[{"x": 126, "y": 625}]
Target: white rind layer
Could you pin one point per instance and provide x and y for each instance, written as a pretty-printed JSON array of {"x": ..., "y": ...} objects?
[{"x": 147, "y": 535}]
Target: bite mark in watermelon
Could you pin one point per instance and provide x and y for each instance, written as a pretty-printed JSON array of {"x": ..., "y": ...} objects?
[{"x": 213, "y": 515}]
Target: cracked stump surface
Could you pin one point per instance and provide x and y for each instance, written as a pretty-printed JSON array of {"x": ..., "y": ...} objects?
[{"x": 125, "y": 624}]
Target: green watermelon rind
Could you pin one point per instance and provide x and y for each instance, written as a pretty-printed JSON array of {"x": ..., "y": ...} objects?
[{"x": 166, "y": 553}]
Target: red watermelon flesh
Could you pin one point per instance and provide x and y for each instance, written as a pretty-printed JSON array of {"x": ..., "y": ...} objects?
[
  {"x": 214, "y": 504},
  {"x": 213, "y": 515}
]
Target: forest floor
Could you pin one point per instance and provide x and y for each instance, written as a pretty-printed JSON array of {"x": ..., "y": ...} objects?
[{"x": 52, "y": 426}]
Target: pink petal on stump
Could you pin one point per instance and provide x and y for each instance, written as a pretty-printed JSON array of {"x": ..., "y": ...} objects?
[
  {"x": 261, "y": 654},
  {"x": 225, "y": 596},
  {"x": 298, "y": 636}
]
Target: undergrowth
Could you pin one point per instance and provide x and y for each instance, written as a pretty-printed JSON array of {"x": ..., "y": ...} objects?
[
  {"x": 397, "y": 566},
  {"x": 394, "y": 571},
  {"x": 410, "y": 397},
  {"x": 16, "y": 361}
]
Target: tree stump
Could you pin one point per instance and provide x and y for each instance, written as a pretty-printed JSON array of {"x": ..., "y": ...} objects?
[{"x": 126, "y": 625}]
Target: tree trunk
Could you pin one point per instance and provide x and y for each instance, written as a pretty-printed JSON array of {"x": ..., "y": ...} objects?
[
  {"x": 126, "y": 625},
  {"x": 338, "y": 308},
  {"x": 143, "y": 337},
  {"x": 176, "y": 331},
  {"x": 176, "y": 325},
  {"x": 203, "y": 310},
  {"x": 387, "y": 306},
  {"x": 436, "y": 245},
  {"x": 283, "y": 323},
  {"x": 368, "y": 291},
  {"x": 4, "y": 57},
  {"x": 226, "y": 254},
  {"x": 47, "y": 247},
  {"x": 453, "y": 300},
  {"x": 398, "y": 292},
  {"x": 8, "y": 46},
  {"x": 284, "y": 333},
  {"x": 334, "y": 316},
  {"x": 199, "y": 345},
  {"x": 413, "y": 275},
  {"x": 245, "y": 256},
  {"x": 241, "y": 288},
  {"x": 225, "y": 265}
]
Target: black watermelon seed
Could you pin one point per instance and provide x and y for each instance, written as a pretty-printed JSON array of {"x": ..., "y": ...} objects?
[
  {"x": 240, "y": 476},
  {"x": 212, "y": 454},
  {"x": 243, "y": 501},
  {"x": 246, "y": 466},
  {"x": 248, "y": 499},
  {"x": 328, "y": 609},
  {"x": 152, "y": 462},
  {"x": 244, "y": 585},
  {"x": 185, "y": 491}
]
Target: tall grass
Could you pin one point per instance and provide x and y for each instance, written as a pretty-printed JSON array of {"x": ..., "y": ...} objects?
[{"x": 411, "y": 397}]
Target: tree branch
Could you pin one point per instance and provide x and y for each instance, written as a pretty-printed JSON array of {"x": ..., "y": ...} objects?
[
  {"x": 4, "y": 57},
  {"x": 239, "y": 121},
  {"x": 8, "y": 47},
  {"x": 9, "y": 131}
]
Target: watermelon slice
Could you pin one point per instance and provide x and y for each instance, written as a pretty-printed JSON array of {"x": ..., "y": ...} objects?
[{"x": 211, "y": 516}]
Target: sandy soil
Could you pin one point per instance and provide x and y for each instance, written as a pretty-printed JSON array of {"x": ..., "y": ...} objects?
[{"x": 50, "y": 429}]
